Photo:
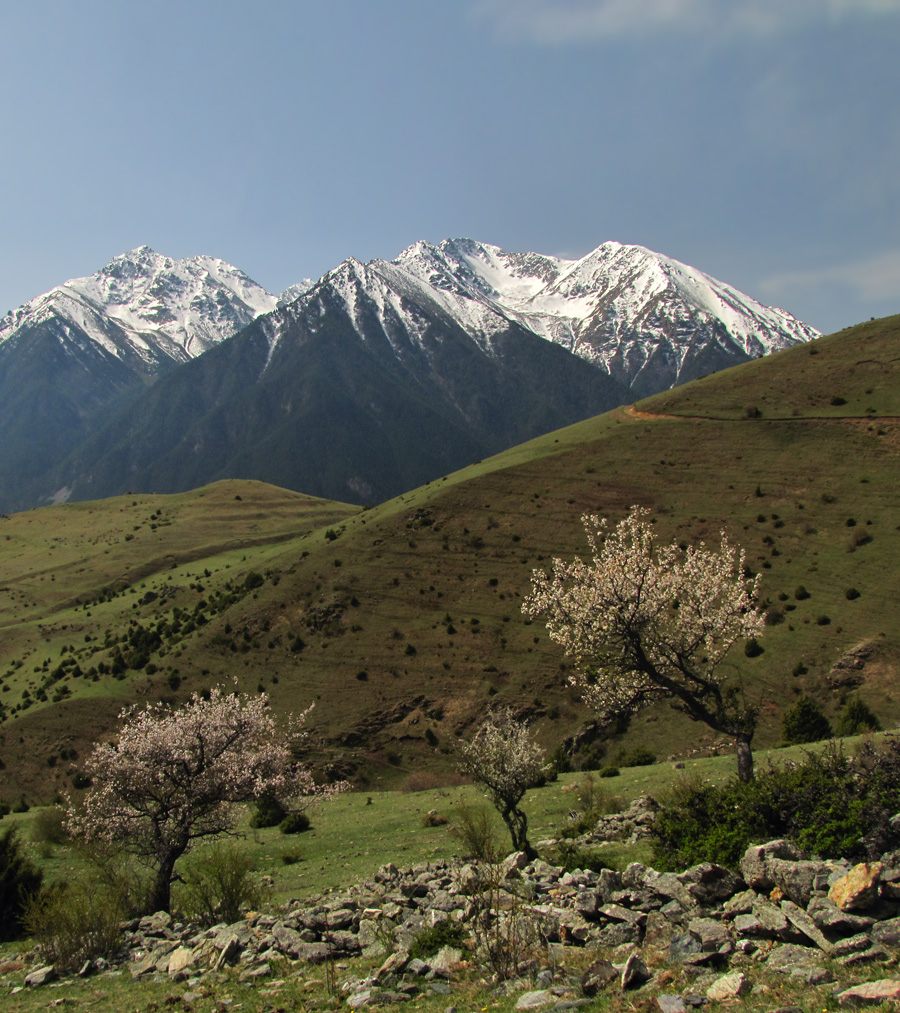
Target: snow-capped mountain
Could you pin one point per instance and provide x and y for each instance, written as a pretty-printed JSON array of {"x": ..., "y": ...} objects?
[
  {"x": 645, "y": 319},
  {"x": 161, "y": 375},
  {"x": 144, "y": 307}
]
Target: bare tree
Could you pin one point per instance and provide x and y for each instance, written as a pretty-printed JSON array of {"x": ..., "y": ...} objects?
[
  {"x": 503, "y": 758},
  {"x": 647, "y": 622},
  {"x": 174, "y": 777}
]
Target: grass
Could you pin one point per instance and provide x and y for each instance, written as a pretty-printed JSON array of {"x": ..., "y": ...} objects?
[{"x": 376, "y": 605}]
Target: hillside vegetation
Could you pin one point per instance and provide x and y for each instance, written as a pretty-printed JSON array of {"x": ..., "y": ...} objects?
[{"x": 402, "y": 622}]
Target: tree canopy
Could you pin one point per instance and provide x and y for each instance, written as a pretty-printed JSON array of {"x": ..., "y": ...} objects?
[
  {"x": 175, "y": 776},
  {"x": 647, "y": 622}
]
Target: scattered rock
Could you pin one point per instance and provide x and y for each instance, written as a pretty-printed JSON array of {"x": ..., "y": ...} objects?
[
  {"x": 858, "y": 888},
  {"x": 871, "y": 993}
]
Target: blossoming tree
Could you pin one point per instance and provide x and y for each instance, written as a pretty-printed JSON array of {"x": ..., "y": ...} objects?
[
  {"x": 647, "y": 622},
  {"x": 174, "y": 777},
  {"x": 504, "y": 759}
]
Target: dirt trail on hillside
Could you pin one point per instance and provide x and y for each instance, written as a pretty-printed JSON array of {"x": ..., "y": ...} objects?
[{"x": 633, "y": 413}]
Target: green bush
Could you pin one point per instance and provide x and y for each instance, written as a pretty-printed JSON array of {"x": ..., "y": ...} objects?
[
  {"x": 857, "y": 718},
  {"x": 830, "y": 804},
  {"x": 77, "y": 921},
  {"x": 476, "y": 833},
  {"x": 804, "y": 722},
  {"x": 753, "y": 648},
  {"x": 217, "y": 884},
  {"x": 295, "y": 823},
  {"x": 608, "y": 772},
  {"x": 47, "y": 827},
  {"x": 638, "y": 757},
  {"x": 269, "y": 813},
  {"x": 20, "y": 883},
  {"x": 433, "y": 939}
]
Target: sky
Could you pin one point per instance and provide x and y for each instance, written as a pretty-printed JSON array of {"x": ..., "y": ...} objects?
[{"x": 756, "y": 140}]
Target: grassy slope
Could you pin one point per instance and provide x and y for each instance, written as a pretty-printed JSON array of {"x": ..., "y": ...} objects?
[{"x": 380, "y": 657}]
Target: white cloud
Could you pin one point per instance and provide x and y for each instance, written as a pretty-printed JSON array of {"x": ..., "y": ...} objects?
[
  {"x": 874, "y": 278},
  {"x": 562, "y": 21}
]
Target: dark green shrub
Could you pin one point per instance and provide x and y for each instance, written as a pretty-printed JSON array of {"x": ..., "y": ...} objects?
[
  {"x": 851, "y": 594},
  {"x": 804, "y": 722},
  {"x": 830, "y": 804},
  {"x": 561, "y": 761},
  {"x": 253, "y": 580},
  {"x": 609, "y": 772},
  {"x": 800, "y": 593},
  {"x": 857, "y": 718},
  {"x": 638, "y": 757},
  {"x": 295, "y": 823},
  {"x": 20, "y": 882},
  {"x": 269, "y": 813},
  {"x": 753, "y": 648},
  {"x": 431, "y": 940}
]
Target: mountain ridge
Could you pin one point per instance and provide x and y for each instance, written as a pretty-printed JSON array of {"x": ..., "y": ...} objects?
[{"x": 450, "y": 353}]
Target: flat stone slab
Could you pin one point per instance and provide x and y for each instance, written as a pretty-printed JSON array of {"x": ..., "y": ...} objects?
[
  {"x": 535, "y": 1000},
  {"x": 870, "y": 993}
]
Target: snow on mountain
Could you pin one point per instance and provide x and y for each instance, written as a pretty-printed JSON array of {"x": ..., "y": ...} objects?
[
  {"x": 617, "y": 306},
  {"x": 147, "y": 304},
  {"x": 645, "y": 319}
]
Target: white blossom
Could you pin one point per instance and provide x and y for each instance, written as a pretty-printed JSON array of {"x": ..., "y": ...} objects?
[
  {"x": 175, "y": 776},
  {"x": 646, "y": 622}
]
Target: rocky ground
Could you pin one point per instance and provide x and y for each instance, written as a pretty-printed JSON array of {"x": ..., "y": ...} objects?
[{"x": 817, "y": 923}]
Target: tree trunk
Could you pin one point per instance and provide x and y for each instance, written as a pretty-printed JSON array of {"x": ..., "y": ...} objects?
[
  {"x": 744, "y": 758},
  {"x": 517, "y": 822},
  {"x": 161, "y": 896}
]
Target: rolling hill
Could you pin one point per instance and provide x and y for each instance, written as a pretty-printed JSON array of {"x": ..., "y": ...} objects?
[{"x": 402, "y": 622}]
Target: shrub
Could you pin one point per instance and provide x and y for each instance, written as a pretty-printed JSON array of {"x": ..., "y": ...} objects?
[
  {"x": 431, "y": 940},
  {"x": 857, "y": 718},
  {"x": 851, "y": 594},
  {"x": 804, "y": 722},
  {"x": 47, "y": 827},
  {"x": 269, "y": 813},
  {"x": 639, "y": 757},
  {"x": 474, "y": 831},
  {"x": 76, "y": 921},
  {"x": 295, "y": 823},
  {"x": 609, "y": 772},
  {"x": 800, "y": 593},
  {"x": 20, "y": 882},
  {"x": 830, "y": 804},
  {"x": 217, "y": 884},
  {"x": 753, "y": 648}
]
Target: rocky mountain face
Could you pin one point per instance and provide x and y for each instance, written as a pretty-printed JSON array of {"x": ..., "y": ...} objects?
[{"x": 372, "y": 380}]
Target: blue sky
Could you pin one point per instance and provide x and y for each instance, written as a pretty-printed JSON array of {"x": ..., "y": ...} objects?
[{"x": 757, "y": 140}]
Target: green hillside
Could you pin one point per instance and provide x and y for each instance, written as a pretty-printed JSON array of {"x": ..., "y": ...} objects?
[{"x": 402, "y": 622}]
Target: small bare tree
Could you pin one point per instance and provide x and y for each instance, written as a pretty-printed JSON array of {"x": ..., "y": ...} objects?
[
  {"x": 174, "y": 777},
  {"x": 647, "y": 622},
  {"x": 503, "y": 758}
]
